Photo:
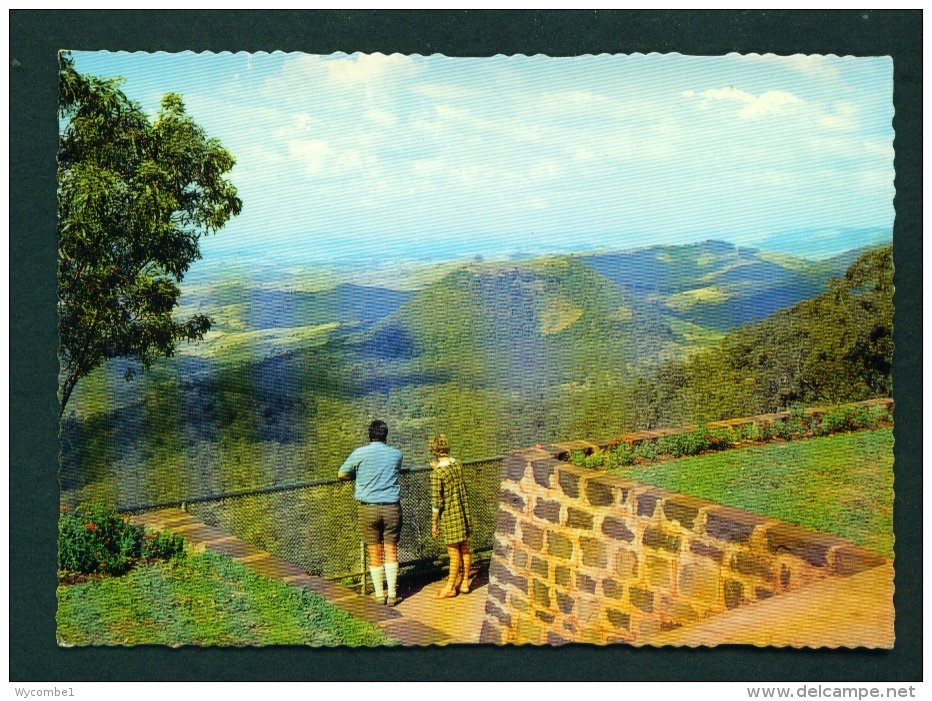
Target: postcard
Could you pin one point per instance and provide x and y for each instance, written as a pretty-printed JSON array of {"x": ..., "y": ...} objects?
[{"x": 376, "y": 350}]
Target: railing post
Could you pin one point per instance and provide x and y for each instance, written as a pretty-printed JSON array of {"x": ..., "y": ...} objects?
[{"x": 362, "y": 560}]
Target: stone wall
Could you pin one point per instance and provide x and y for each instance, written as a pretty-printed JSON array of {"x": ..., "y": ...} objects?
[{"x": 583, "y": 556}]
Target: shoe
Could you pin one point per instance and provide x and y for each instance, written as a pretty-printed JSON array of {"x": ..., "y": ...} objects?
[
  {"x": 392, "y": 600},
  {"x": 379, "y": 599}
]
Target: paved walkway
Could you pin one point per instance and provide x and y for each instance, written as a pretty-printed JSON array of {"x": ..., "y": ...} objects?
[
  {"x": 408, "y": 630},
  {"x": 460, "y": 617},
  {"x": 833, "y": 612}
]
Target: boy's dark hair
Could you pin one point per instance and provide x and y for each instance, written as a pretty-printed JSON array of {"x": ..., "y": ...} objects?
[{"x": 378, "y": 431}]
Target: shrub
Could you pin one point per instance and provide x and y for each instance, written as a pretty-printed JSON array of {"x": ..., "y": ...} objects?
[
  {"x": 96, "y": 538},
  {"x": 781, "y": 429},
  {"x": 594, "y": 461},
  {"x": 162, "y": 546},
  {"x": 625, "y": 454},
  {"x": 577, "y": 457},
  {"x": 648, "y": 450}
]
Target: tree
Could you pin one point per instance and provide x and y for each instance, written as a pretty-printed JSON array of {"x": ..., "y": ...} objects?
[{"x": 134, "y": 198}]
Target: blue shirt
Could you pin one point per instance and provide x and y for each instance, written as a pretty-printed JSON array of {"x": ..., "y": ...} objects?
[{"x": 376, "y": 468}]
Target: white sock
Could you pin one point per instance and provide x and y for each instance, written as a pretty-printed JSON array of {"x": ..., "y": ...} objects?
[
  {"x": 378, "y": 577},
  {"x": 391, "y": 577}
]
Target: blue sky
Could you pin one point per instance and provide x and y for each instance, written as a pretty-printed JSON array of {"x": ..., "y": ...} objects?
[{"x": 407, "y": 155}]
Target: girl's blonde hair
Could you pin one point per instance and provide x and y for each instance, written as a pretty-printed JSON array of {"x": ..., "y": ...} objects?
[{"x": 439, "y": 445}]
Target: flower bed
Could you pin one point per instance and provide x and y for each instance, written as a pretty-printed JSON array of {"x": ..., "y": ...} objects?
[
  {"x": 96, "y": 540},
  {"x": 798, "y": 424}
]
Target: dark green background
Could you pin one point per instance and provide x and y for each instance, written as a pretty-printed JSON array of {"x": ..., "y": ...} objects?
[{"x": 35, "y": 36}]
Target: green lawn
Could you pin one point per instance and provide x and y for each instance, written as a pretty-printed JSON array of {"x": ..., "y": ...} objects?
[
  {"x": 841, "y": 484},
  {"x": 204, "y": 599}
]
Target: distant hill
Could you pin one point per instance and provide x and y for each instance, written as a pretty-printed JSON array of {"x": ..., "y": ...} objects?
[
  {"x": 714, "y": 284},
  {"x": 521, "y": 324}
]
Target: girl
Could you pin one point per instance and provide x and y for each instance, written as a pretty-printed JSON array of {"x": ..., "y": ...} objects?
[{"x": 451, "y": 515}]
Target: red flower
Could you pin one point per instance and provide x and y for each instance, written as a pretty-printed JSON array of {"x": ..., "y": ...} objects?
[
  {"x": 103, "y": 564},
  {"x": 124, "y": 517},
  {"x": 107, "y": 539},
  {"x": 537, "y": 445},
  {"x": 91, "y": 527},
  {"x": 63, "y": 509}
]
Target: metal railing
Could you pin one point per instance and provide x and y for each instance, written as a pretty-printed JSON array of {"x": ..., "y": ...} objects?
[{"x": 314, "y": 524}]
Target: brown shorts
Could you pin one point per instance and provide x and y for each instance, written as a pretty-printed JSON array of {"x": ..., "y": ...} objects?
[{"x": 380, "y": 523}]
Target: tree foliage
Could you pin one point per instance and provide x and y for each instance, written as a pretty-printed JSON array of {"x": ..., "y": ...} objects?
[
  {"x": 834, "y": 348},
  {"x": 134, "y": 198}
]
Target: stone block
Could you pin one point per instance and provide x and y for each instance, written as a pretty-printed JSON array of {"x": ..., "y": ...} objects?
[
  {"x": 559, "y": 546},
  {"x": 569, "y": 446},
  {"x": 734, "y": 593},
  {"x": 647, "y": 502},
  {"x": 532, "y": 536},
  {"x": 501, "y": 549},
  {"x": 807, "y": 545},
  {"x": 851, "y": 560},
  {"x": 491, "y": 609},
  {"x": 491, "y": 634},
  {"x": 698, "y": 580},
  {"x": 505, "y": 523},
  {"x": 648, "y": 626},
  {"x": 565, "y": 603},
  {"x": 760, "y": 593},
  {"x": 655, "y": 537},
  {"x": 618, "y": 619},
  {"x": 585, "y": 583},
  {"x": 497, "y": 592},
  {"x": 541, "y": 594},
  {"x": 570, "y": 626},
  {"x": 543, "y": 469},
  {"x": 588, "y": 612},
  {"x": 520, "y": 559},
  {"x": 626, "y": 564},
  {"x": 593, "y": 552},
  {"x": 547, "y": 510},
  {"x": 515, "y": 501},
  {"x": 752, "y": 566},
  {"x": 547, "y": 618},
  {"x": 561, "y": 575},
  {"x": 710, "y": 551},
  {"x": 641, "y": 599},
  {"x": 514, "y": 467},
  {"x": 617, "y": 529},
  {"x": 732, "y": 525},
  {"x": 519, "y": 582},
  {"x": 554, "y": 639},
  {"x": 613, "y": 589},
  {"x": 568, "y": 478},
  {"x": 684, "y": 509},
  {"x": 518, "y": 603},
  {"x": 677, "y": 609},
  {"x": 785, "y": 576},
  {"x": 600, "y": 492},
  {"x": 540, "y": 567},
  {"x": 577, "y": 518},
  {"x": 668, "y": 624},
  {"x": 658, "y": 570},
  {"x": 552, "y": 451},
  {"x": 528, "y": 631}
]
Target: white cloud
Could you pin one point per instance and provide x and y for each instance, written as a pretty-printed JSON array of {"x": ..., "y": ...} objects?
[
  {"x": 770, "y": 102},
  {"x": 361, "y": 68},
  {"x": 313, "y": 154}
]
